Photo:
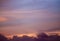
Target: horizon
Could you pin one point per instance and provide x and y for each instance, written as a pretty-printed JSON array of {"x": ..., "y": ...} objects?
[{"x": 34, "y": 35}]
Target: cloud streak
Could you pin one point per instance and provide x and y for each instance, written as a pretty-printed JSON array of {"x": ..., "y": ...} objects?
[
  {"x": 30, "y": 21},
  {"x": 23, "y": 16}
]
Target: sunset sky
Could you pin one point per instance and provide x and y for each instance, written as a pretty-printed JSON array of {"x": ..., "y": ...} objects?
[{"x": 29, "y": 16}]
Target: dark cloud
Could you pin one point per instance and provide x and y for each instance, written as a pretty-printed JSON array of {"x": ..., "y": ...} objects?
[{"x": 55, "y": 29}]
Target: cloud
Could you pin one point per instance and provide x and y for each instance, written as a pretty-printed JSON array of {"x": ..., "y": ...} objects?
[
  {"x": 24, "y": 21},
  {"x": 3, "y": 19},
  {"x": 28, "y": 16},
  {"x": 52, "y": 5},
  {"x": 22, "y": 16}
]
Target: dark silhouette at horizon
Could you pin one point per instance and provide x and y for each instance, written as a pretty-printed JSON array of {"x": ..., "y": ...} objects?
[
  {"x": 40, "y": 37},
  {"x": 3, "y": 38}
]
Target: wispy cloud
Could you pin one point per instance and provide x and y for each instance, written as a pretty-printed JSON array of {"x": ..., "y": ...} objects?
[
  {"x": 20, "y": 16},
  {"x": 31, "y": 20}
]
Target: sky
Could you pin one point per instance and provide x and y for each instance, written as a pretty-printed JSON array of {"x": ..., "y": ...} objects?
[{"x": 29, "y": 16}]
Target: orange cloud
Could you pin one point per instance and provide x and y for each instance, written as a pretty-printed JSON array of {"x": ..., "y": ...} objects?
[
  {"x": 3, "y": 19},
  {"x": 53, "y": 33},
  {"x": 29, "y": 34},
  {"x": 9, "y": 36}
]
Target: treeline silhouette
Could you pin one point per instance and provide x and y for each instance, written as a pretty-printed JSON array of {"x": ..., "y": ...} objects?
[{"x": 40, "y": 37}]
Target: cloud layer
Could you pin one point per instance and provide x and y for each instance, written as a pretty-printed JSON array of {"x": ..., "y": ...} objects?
[{"x": 29, "y": 16}]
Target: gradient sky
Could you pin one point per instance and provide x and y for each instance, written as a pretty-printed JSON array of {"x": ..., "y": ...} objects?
[{"x": 29, "y": 16}]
